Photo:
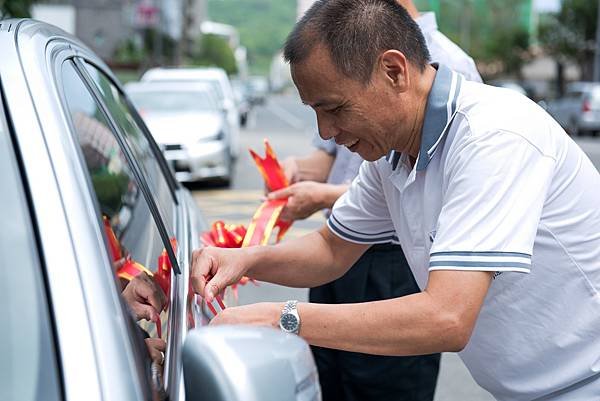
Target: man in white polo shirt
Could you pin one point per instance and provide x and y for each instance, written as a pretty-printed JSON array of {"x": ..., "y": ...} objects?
[
  {"x": 382, "y": 272},
  {"x": 495, "y": 207}
]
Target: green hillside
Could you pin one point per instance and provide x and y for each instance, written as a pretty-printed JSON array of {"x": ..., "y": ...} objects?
[{"x": 263, "y": 25}]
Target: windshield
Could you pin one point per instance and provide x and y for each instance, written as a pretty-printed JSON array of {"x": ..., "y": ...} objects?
[
  {"x": 214, "y": 83},
  {"x": 181, "y": 102}
]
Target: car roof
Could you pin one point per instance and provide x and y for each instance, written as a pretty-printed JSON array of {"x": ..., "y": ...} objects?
[
  {"x": 29, "y": 34},
  {"x": 184, "y": 73},
  {"x": 583, "y": 86},
  {"x": 151, "y": 86}
]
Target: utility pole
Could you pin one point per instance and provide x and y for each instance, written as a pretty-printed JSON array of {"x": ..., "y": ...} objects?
[{"x": 597, "y": 58}]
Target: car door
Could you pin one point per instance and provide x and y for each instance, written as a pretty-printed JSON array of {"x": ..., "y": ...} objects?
[
  {"x": 78, "y": 157},
  {"x": 30, "y": 363},
  {"x": 175, "y": 208}
]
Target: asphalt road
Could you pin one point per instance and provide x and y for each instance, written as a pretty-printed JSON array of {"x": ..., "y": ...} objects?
[{"x": 289, "y": 127}]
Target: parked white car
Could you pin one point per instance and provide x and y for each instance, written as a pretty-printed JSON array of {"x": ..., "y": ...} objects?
[
  {"x": 187, "y": 122},
  {"x": 578, "y": 111},
  {"x": 76, "y": 158},
  {"x": 217, "y": 77}
]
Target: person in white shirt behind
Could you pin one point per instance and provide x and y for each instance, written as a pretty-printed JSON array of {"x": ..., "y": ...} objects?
[{"x": 317, "y": 181}]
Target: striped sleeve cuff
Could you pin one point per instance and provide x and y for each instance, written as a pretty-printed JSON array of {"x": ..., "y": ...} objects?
[
  {"x": 358, "y": 237},
  {"x": 481, "y": 261}
]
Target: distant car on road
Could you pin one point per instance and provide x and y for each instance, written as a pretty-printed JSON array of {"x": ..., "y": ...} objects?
[
  {"x": 578, "y": 111},
  {"x": 218, "y": 79},
  {"x": 242, "y": 98},
  {"x": 186, "y": 120},
  {"x": 258, "y": 88}
]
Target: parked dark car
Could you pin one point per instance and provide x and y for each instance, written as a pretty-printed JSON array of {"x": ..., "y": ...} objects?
[{"x": 578, "y": 111}]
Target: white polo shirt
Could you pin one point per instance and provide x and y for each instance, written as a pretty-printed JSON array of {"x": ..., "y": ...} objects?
[{"x": 498, "y": 186}]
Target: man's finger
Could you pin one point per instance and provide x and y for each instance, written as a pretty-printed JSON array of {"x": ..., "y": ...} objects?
[
  {"x": 201, "y": 267},
  {"x": 281, "y": 193},
  {"x": 157, "y": 343},
  {"x": 214, "y": 287},
  {"x": 286, "y": 214},
  {"x": 157, "y": 297},
  {"x": 144, "y": 311}
]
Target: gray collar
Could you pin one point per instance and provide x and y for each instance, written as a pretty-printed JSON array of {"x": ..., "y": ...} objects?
[{"x": 439, "y": 113}]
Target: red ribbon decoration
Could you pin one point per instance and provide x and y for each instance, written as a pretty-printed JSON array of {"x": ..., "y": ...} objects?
[
  {"x": 113, "y": 242},
  {"x": 270, "y": 169},
  {"x": 265, "y": 219},
  {"x": 131, "y": 269},
  {"x": 162, "y": 277},
  {"x": 267, "y": 216}
]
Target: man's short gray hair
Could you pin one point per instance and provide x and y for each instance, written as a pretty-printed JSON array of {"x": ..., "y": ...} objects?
[{"x": 356, "y": 32}]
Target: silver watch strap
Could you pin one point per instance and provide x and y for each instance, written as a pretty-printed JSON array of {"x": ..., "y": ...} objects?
[{"x": 289, "y": 306}]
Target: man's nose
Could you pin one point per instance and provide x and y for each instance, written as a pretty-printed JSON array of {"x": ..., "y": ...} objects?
[{"x": 327, "y": 128}]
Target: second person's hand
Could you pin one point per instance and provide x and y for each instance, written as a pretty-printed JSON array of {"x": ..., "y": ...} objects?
[
  {"x": 304, "y": 199},
  {"x": 145, "y": 298}
]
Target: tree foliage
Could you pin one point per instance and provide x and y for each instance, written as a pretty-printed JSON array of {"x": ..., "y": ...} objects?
[
  {"x": 212, "y": 50},
  {"x": 263, "y": 25},
  {"x": 570, "y": 34},
  {"x": 494, "y": 32},
  {"x": 15, "y": 8}
]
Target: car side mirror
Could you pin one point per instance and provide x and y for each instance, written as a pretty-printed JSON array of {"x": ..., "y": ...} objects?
[{"x": 244, "y": 363}]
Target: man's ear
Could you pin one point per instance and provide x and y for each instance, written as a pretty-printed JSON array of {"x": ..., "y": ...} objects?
[{"x": 394, "y": 66}]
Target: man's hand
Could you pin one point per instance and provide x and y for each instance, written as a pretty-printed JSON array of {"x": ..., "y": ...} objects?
[
  {"x": 291, "y": 169},
  {"x": 145, "y": 298},
  {"x": 304, "y": 199},
  {"x": 213, "y": 269},
  {"x": 156, "y": 349},
  {"x": 261, "y": 314}
]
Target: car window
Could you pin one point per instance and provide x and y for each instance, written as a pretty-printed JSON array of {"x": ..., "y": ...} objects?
[
  {"x": 172, "y": 101},
  {"x": 132, "y": 235},
  {"x": 139, "y": 144},
  {"x": 574, "y": 94},
  {"x": 29, "y": 369}
]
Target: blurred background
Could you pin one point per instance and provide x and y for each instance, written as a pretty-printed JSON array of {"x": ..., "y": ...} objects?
[
  {"x": 546, "y": 49},
  {"x": 539, "y": 44}
]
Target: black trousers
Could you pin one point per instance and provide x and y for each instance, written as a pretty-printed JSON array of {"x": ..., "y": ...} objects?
[{"x": 381, "y": 273}]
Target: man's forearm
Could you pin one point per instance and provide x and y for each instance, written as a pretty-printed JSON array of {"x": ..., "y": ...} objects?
[
  {"x": 410, "y": 325},
  {"x": 314, "y": 167},
  {"x": 331, "y": 193},
  {"x": 422, "y": 323},
  {"x": 308, "y": 261}
]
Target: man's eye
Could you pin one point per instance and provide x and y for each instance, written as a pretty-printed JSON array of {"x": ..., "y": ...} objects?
[{"x": 335, "y": 110}]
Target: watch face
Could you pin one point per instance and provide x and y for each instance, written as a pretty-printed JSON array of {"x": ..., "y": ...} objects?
[{"x": 289, "y": 322}]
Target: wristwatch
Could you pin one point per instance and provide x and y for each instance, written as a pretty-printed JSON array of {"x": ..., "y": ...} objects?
[{"x": 289, "y": 321}]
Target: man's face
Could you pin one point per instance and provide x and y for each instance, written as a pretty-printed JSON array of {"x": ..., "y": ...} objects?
[{"x": 364, "y": 118}]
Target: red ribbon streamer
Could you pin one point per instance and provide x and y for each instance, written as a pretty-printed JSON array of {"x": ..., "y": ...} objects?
[{"x": 265, "y": 219}]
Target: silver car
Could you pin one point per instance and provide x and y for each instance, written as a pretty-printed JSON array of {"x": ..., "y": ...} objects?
[
  {"x": 87, "y": 188},
  {"x": 578, "y": 111},
  {"x": 187, "y": 122},
  {"x": 218, "y": 79}
]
